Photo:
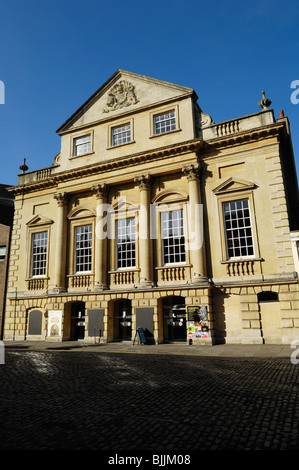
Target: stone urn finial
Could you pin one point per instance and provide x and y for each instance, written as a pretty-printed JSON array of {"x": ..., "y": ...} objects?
[
  {"x": 264, "y": 103},
  {"x": 24, "y": 167}
]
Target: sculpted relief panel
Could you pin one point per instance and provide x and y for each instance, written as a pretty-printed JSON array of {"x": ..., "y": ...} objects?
[{"x": 122, "y": 94}]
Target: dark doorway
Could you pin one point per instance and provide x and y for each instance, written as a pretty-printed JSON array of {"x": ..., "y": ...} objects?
[
  {"x": 122, "y": 320},
  {"x": 174, "y": 319},
  {"x": 78, "y": 321}
]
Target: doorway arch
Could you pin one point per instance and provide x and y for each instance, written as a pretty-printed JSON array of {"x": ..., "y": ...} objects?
[
  {"x": 77, "y": 321},
  {"x": 122, "y": 310},
  {"x": 174, "y": 319}
]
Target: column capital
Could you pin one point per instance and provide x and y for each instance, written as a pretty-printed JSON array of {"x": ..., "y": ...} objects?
[
  {"x": 101, "y": 190},
  {"x": 144, "y": 181},
  {"x": 192, "y": 171},
  {"x": 61, "y": 198}
]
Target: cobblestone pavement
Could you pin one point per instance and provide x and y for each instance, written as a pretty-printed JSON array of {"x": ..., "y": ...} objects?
[{"x": 58, "y": 400}]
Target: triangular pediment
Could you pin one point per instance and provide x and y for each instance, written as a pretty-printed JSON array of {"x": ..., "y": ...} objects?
[
  {"x": 39, "y": 220},
  {"x": 122, "y": 93},
  {"x": 233, "y": 184}
]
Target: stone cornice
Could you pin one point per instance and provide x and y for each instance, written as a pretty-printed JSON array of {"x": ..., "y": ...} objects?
[
  {"x": 119, "y": 163},
  {"x": 198, "y": 146}
]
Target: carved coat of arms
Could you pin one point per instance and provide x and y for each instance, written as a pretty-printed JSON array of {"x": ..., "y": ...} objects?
[{"x": 121, "y": 94}]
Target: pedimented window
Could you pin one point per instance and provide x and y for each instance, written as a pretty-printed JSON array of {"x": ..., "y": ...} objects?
[
  {"x": 233, "y": 184},
  {"x": 39, "y": 220}
]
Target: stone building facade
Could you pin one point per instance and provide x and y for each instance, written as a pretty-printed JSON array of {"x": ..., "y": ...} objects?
[{"x": 153, "y": 216}]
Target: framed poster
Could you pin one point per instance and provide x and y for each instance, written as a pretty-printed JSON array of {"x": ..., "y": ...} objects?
[
  {"x": 198, "y": 322},
  {"x": 54, "y": 323}
]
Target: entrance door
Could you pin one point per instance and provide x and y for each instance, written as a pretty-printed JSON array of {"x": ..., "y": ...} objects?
[
  {"x": 122, "y": 320},
  {"x": 174, "y": 315},
  {"x": 78, "y": 321}
]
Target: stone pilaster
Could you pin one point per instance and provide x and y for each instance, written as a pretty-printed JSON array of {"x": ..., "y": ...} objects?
[
  {"x": 196, "y": 229},
  {"x": 145, "y": 242},
  {"x": 101, "y": 191},
  {"x": 60, "y": 251}
]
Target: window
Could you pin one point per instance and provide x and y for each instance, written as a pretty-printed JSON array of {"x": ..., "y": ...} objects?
[
  {"x": 2, "y": 253},
  {"x": 121, "y": 134},
  {"x": 125, "y": 241},
  {"x": 83, "y": 248},
  {"x": 238, "y": 229},
  {"x": 164, "y": 122},
  {"x": 39, "y": 254},
  {"x": 82, "y": 145},
  {"x": 172, "y": 227}
]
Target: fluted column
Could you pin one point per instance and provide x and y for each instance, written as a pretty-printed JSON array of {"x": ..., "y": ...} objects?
[
  {"x": 196, "y": 229},
  {"x": 101, "y": 191},
  {"x": 145, "y": 242},
  {"x": 60, "y": 252}
]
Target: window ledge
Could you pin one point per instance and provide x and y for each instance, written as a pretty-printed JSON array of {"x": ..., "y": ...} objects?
[
  {"x": 120, "y": 145},
  {"x": 165, "y": 133},
  {"x": 81, "y": 273},
  {"x": 33, "y": 278},
  {"x": 174, "y": 265},
  {"x": 240, "y": 260},
  {"x": 72, "y": 157},
  {"x": 121, "y": 270}
]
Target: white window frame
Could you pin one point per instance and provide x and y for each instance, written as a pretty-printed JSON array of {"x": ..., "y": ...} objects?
[
  {"x": 111, "y": 144},
  {"x": 163, "y": 112},
  {"x": 3, "y": 250},
  {"x": 129, "y": 261},
  {"x": 121, "y": 134},
  {"x": 165, "y": 235},
  {"x": 34, "y": 257},
  {"x": 85, "y": 147},
  {"x": 78, "y": 251},
  {"x": 164, "y": 122},
  {"x": 235, "y": 230}
]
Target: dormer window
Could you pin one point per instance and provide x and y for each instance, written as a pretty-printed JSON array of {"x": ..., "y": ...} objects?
[{"x": 82, "y": 145}]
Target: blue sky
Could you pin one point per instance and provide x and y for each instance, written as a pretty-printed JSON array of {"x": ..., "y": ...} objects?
[{"x": 55, "y": 54}]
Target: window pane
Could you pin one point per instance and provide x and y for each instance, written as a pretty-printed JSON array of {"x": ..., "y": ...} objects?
[
  {"x": 239, "y": 241},
  {"x": 172, "y": 226},
  {"x": 2, "y": 253},
  {"x": 39, "y": 254},
  {"x": 82, "y": 145},
  {"x": 83, "y": 248},
  {"x": 125, "y": 243},
  {"x": 164, "y": 122},
  {"x": 121, "y": 134}
]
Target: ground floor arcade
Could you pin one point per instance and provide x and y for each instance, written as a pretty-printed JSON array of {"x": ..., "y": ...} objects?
[{"x": 251, "y": 314}]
